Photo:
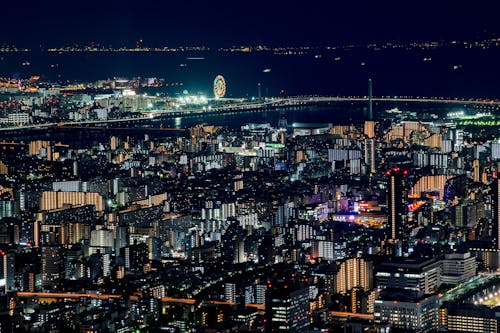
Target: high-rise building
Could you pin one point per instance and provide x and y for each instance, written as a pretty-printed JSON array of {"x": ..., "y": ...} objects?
[
  {"x": 287, "y": 308},
  {"x": 4, "y": 168},
  {"x": 469, "y": 318},
  {"x": 362, "y": 301},
  {"x": 369, "y": 129},
  {"x": 52, "y": 265},
  {"x": 102, "y": 238},
  {"x": 135, "y": 257},
  {"x": 73, "y": 263},
  {"x": 354, "y": 272},
  {"x": 154, "y": 248},
  {"x": 495, "y": 225},
  {"x": 96, "y": 266},
  {"x": 35, "y": 147},
  {"x": 495, "y": 151},
  {"x": 369, "y": 154},
  {"x": 114, "y": 142},
  {"x": 7, "y": 208},
  {"x": 396, "y": 203},
  {"x": 122, "y": 237},
  {"x": 324, "y": 250},
  {"x": 476, "y": 169},
  {"x": 419, "y": 275},
  {"x": 230, "y": 292},
  {"x": 55, "y": 200},
  {"x": 457, "y": 268},
  {"x": 260, "y": 293},
  {"x": 408, "y": 311},
  {"x": 7, "y": 262}
]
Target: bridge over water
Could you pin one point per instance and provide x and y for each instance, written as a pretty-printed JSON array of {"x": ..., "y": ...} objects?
[{"x": 115, "y": 125}]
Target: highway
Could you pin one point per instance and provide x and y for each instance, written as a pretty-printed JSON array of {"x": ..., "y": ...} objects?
[
  {"x": 245, "y": 106},
  {"x": 192, "y": 301},
  {"x": 396, "y": 99},
  {"x": 189, "y": 301},
  {"x": 22, "y": 294},
  {"x": 351, "y": 315}
]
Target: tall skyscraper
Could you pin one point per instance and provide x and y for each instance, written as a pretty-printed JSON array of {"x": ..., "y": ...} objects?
[
  {"x": 495, "y": 225},
  {"x": 369, "y": 154},
  {"x": 7, "y": 262},
  {"x": 396, "y": 203}
]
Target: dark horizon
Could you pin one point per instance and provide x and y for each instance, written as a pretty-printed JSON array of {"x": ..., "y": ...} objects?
[
  {"x": 132, "y": 44},
  {"x": 33, "y": 23}
]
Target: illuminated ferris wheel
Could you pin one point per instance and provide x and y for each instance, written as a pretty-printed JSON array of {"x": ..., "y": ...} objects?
[{"x": 219, "y": 86}]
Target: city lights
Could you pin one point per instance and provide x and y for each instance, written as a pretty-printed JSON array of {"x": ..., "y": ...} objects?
[{"x": 258, "y": 166}]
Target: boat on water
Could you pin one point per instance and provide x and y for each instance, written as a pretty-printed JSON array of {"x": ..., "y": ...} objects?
[{"x": 394, "y": 110}]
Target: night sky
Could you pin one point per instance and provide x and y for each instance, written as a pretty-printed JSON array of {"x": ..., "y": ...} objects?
[{"x": 224, "y": 23}]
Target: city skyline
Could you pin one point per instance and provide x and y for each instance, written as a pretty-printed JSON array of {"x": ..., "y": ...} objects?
[{"x": 251, "y": 166}]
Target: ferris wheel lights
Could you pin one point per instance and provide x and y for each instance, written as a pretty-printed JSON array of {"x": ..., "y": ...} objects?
[{"x": 219, "y": 86}]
